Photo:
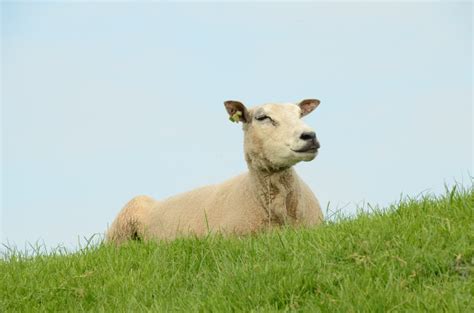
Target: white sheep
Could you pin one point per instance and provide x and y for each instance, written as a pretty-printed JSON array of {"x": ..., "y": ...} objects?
[{"x": 268, "y": 195}]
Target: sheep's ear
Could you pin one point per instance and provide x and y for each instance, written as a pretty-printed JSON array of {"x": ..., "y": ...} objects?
[
  {"x": 308, "y": 105},
  {"x": 237, "y": 111}
]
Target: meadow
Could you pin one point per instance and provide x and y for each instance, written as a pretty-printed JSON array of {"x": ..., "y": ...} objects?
[{"x": 416, "y": 255}]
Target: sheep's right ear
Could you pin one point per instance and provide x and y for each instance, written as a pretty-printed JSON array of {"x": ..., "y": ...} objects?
[{"x": 237, "y": 111}]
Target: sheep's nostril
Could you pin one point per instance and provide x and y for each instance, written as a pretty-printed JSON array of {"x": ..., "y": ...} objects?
[
  {"x": 317, "y": 145},
  {"x": 308, "y": 136}
]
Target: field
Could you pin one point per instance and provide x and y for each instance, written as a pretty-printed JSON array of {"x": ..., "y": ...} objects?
[{"x": 417, "y": 255}]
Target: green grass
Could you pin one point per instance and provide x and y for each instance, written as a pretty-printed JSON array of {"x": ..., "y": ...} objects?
[{"x": 417, "y": 255}]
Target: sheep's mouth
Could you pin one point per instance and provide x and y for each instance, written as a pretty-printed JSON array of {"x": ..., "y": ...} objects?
[
  {"x": 311, "y": 150},
  {"x": 307, "y": 149}
]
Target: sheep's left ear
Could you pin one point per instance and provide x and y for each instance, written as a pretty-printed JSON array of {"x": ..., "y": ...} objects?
[
  {"x": 237, "y": 111},
  {"x": 308, "y": 105}
]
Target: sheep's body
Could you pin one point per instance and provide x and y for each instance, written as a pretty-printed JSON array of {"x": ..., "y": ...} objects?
[
  {"x": 261, "y": 198},
  {"x": 236, "y": 206}
]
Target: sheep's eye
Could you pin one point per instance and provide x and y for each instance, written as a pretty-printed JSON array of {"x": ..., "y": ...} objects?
[{"x": 262, "y": 117}]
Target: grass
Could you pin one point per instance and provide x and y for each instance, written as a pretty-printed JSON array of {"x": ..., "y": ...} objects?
[{"x": 417, "y": 255}]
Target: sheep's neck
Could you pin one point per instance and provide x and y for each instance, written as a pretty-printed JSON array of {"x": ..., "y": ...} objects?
[{"x": 277, "y": 192}]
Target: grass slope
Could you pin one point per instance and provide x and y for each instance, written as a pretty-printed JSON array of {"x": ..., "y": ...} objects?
[{"x": 415, "y": 256}]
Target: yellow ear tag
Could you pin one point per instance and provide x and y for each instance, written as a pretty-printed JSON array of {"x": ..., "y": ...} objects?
[{"x": 236, "y": 117}]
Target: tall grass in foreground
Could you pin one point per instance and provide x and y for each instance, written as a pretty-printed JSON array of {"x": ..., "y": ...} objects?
[{"x": 415, "y": 256}]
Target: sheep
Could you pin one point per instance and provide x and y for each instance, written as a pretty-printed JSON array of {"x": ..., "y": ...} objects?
[{"x": 269, "y": 195}]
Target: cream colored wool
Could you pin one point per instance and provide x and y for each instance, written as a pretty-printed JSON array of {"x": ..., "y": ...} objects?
[{"x": 270, "y": 194}]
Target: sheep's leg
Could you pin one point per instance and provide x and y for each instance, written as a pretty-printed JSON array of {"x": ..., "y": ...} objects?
[{"x": 130, "y": 222}]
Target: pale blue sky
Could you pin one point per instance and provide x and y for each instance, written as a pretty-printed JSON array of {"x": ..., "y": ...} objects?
[{"x": 101, "y": 102}]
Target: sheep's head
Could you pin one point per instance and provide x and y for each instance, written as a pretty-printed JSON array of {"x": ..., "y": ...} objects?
[{"x": 275, "y": 137}]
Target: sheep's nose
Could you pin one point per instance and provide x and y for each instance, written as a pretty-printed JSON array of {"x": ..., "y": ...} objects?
[{"x": 308, "y": 136}]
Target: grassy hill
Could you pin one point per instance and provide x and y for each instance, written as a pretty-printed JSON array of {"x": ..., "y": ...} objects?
[{"x": 417, "y": 255}]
